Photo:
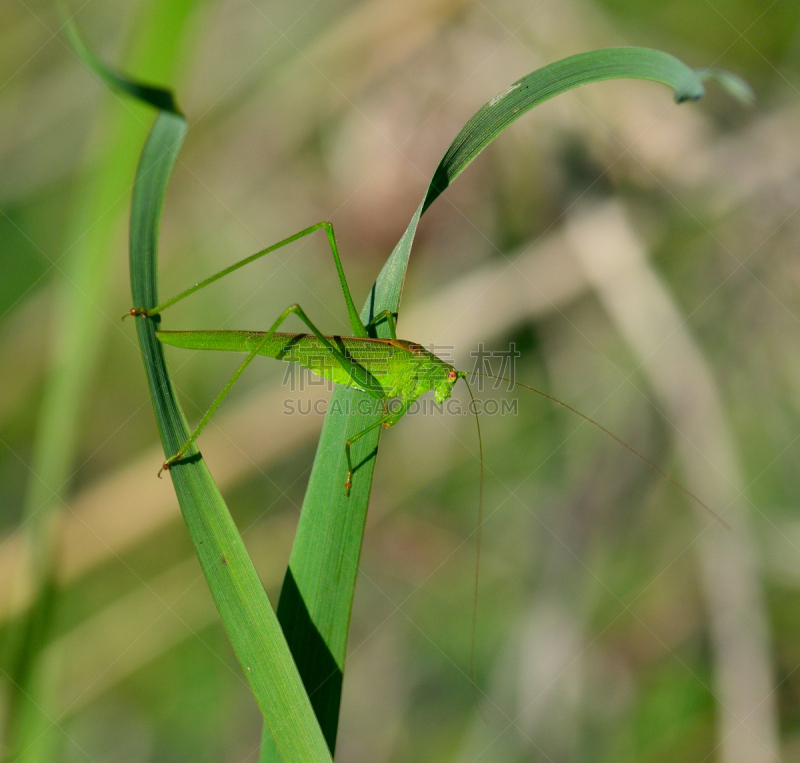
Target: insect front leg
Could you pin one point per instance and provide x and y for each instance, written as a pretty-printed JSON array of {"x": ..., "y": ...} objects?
[
  {"x": 394, "y": 416},
  {"x": 389, "y": 420}
]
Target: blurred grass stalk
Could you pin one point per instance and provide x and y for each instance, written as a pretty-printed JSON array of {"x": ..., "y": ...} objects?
[
  {"x": 615, "y": 261},
  {"x": 86, "y": 273}
]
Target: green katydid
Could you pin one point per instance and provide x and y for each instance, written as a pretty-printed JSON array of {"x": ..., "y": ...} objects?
[{"x": 383, "y": 368}]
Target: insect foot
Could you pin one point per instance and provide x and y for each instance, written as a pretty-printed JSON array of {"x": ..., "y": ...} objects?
[
  {"x": 348, "y": 484},
  {"x": 135, "y": 311},
  {"x": 167, "y": 465}
]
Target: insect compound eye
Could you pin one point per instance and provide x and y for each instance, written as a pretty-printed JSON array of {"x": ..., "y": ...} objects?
[{"x": 452, "y": 375}]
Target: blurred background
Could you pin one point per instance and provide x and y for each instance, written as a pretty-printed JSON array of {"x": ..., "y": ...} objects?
[{"x": 641, "y": 256}]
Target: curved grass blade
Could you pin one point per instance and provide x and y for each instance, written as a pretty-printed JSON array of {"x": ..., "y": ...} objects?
[
  {"x": 246, "y": 614},
  {"x": 317, "y": 595},
  {"x": 582, "y": 69},
  {"x": 155, "y": 96}
]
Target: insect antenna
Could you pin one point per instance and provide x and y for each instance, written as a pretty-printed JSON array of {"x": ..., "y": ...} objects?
[
  {"x": 614, "y": 437},
  {"x": 477, "y": 552}
]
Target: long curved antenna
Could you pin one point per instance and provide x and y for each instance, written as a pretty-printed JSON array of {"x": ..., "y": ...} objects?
[
  {"x": 477, "y": 552},
  {"x": 614, "y": 437}
]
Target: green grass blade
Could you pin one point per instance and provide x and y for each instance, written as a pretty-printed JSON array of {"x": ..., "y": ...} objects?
[
  {"x": 559, "y": 77},
  {"x": 317, "y": 595},
  {"x": 245, "y": 611}
]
